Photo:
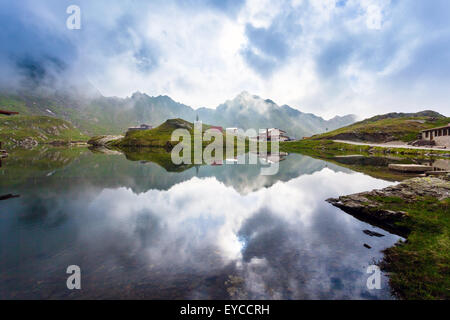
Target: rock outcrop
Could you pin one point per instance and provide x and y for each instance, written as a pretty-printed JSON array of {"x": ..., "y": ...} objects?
[
  {"x": 27, "y": 143},
  {"x": 101, "y": 141},
  {"x": 369, "y": 206},
  {"x": 179, "y": 124}
]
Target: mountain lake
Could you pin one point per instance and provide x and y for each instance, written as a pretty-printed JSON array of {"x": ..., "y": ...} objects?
[{"x": 143, "y": 230}]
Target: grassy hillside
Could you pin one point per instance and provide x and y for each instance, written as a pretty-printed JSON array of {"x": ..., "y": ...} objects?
[
  {"x": 389, "y": 127},
  {"x": 157, "y": 137},
  {"x": 23, "y": 130},
  {"x": 96, "y": 115},
  {"x": 161, "y": 136},
  {"x": 76, "y": 112}
]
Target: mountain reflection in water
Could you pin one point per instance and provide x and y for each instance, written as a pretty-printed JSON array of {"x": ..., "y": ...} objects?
[{"x": 209, "y": 232}]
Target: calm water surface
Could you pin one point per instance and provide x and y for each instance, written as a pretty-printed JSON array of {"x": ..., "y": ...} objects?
[{"x": 208, "y": 232}]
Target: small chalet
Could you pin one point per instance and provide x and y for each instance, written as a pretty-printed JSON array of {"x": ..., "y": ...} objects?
[
  {"x": 273, "y": 134},
  {"x": 141, "y": 127}
]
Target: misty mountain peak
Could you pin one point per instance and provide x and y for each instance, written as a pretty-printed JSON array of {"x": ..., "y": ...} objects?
[
  {"x": 138, "y": 95},
  {"x": 351, "y": 117},
  {"x": 243, "y": 95},
  {"x": 247, "y": 103}
]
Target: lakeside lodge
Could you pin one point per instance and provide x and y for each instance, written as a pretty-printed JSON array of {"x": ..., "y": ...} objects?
[
  {"x": 273, "y": 134},
  {"x": 440, "y": 135}
]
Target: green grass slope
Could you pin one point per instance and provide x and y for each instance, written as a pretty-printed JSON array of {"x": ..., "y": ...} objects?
[
  {"x": 389, "y": 127},
  {"x": 26, "y": 130},
  {"x": 96, "y": 115},
  {"x": 89, "y": 120},
  {"x": 420, "y": 267},
  {"x": 157, "y": 137},
  {"x": 161, "y": 136}
]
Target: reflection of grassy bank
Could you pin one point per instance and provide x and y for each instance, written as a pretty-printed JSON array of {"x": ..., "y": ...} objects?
[
  {"x": 373, "y": 166},
  {"x": 159, "y": 156},
  {"x": 24, "y": 163},
  {"x": 374, "y": 163},
  {"x": 420, "y": 268},
  {"x": 163, "y": 156},
  {"x": 327, "y": 146}
]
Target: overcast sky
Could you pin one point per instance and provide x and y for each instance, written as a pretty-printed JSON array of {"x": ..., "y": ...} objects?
[{"x": 324, "y": 56}]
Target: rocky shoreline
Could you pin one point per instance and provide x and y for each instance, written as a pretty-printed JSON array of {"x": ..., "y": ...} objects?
[
  {"x": 103, "y": 141},
  {"x": 417, "y": 209},
  {"x": 369, "y": 206}
]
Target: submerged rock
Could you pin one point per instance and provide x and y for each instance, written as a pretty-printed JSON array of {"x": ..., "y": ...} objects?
[{"x": 373, "y": 234}]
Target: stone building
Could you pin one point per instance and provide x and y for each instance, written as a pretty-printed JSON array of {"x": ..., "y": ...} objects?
[
  {"x": 273, "y": 134},
  {"x": 440, "y": 135}
]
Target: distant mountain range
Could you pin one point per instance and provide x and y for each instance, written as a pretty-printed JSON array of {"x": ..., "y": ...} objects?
[
  {"x": 95, "y": 114},
  {"x": 250, "y": 111}
]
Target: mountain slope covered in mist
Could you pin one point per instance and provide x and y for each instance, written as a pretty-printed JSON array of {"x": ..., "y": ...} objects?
[
  {"x": 96, "y": 114},
  {"x": 250, "y": 111}
]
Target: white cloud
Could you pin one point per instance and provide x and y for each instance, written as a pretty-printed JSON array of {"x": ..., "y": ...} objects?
[
  {"x": 375, "y": 11},
  {"x": 200, "y": 60},
  {"x": 194, "y": 53},
  {"x": 374, "y": 17},
  {"x": 260, "y": 13}
]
